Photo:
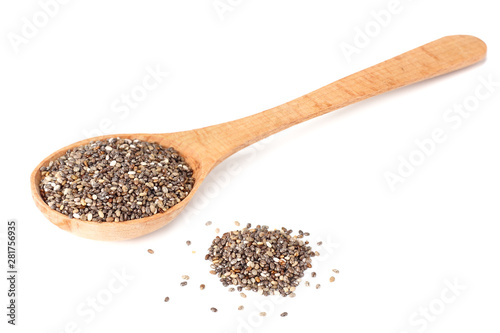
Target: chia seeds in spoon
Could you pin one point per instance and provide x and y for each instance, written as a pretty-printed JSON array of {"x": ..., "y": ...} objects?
[
  {"x": 116, "y": 180},
  {"x": 269, "y": 262}
]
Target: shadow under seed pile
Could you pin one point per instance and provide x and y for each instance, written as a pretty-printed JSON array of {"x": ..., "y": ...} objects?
[
  {"x": 261, "y": 260},
  {"x": 116, "y": 180}
]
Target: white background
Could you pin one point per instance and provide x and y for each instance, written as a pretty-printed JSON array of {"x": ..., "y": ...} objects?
[{"x": 395, "y": 250}]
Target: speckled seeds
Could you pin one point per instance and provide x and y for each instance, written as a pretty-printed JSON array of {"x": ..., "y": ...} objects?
[
  {"x": 261, "y": 260},
  {"x": 116, "y": 180}
]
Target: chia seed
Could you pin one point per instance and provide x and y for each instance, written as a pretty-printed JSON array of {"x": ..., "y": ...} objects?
[
  {"x": 116, "y": 180},
  {"x": 258, "y": 259}
]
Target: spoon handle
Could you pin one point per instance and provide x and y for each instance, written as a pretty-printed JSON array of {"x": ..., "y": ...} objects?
[{"x": 439, "y": 57}]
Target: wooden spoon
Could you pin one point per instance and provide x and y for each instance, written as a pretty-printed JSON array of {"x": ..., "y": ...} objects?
[{"x": 204, "y": 148}]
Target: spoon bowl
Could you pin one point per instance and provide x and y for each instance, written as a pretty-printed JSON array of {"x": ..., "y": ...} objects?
[
  {"x": 204, "y": 148},
  {"x": 112, "y": 231}
]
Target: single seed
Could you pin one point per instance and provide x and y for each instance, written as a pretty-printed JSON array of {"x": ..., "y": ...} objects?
[
  {"x": 213, "y": 309},
  {"x": 151, "y": 251},
  {"x": 185, "y": 277},
  {"x": 202, "y": 286},
  {"x": 237, "y": 223},
  {"x": 183, "y": 283},
  {"x": 318, "y": 286},
  {"x": 313, "y": 274},
  {"x": 167, "y": 299},
  {"x": 335, "y": 271},
  {"x": 208, "y": 223},
  {"x": 231, "y": 290},
  {"x": 332, "y": 278},
  {"x": 241, "y": 307},
  {"x": 262, "y": 314},
  {"x": 217, "y": 230},
  {"x": 307, "y": 284},
  {"x": 284, "y": 314},
  {"x": 188, "y": 243},
  {"x": 320, "y": 243},
  {"x": 243, "y": 295}
]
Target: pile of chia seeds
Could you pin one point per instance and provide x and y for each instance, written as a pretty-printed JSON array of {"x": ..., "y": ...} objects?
[
  {"x": 261, "y": 260},
  {"x": 116, "y": 180},
  {"x": 269, "y": 262}
]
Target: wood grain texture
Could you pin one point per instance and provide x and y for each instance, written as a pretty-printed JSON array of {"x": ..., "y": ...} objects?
[{"x": 206, "y": 147}]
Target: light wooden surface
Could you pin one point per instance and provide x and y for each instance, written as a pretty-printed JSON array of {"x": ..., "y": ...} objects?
[{"x": 206, "y": 147}]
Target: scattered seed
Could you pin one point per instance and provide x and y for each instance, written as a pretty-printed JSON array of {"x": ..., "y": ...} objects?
[
  {"x": 320, "y": 243},
  {"x": 231, "y": 290},
  {"x": 208, "y": 223},
  {"x": 292, "y": 295},
  {"x": 217, "y": 230},
  {"x": 151, "y": 251},
  {"x": 307, "y": 234},
  {"x": 313, "y": 274},
  {"x": 213, "y": 309},
  {"x": 262, "y": 314},
  {"x": 332, "y": 278},
  {"x": 284, "y": 314},
  {"x": 167, "y": 299},
  {"x": 318, "y": 286},
  {"x": 185, "y": 277},
  {"x": 243, "y": 295},
  {"x": 183, "y": 283},
  {"x": 335, "y": 271},
  {"x": 115, "y": 180},
  {"x": 202, "y": 286},
  {"x": 241, "y": 307},
  {"x": 237, "y": 223},
  {"x": 193, "y": 252},
  {"x": 188, "y": 243},
  {"x": 307, "y": 284}
]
